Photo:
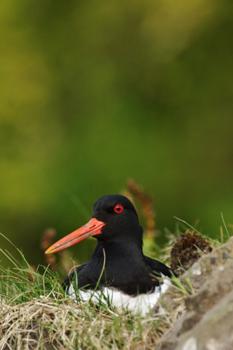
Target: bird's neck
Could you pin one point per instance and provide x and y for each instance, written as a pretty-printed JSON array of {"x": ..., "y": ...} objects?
[{"x": 119, "y": 249}]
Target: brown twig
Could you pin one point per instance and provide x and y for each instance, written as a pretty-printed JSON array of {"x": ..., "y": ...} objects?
[
  {"x": 137, "y": 192},
  {"x": 46, "y": 241}
]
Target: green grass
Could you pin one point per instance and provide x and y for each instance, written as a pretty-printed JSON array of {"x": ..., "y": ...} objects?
[{"x": 35, "y": 313}]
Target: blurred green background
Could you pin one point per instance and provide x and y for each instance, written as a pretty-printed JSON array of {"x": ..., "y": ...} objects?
[{"x": 94, "y": 93}]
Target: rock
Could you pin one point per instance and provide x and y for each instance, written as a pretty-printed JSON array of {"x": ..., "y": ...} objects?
[
  {"x": 215, "y": 329},
  {"x": 205, "y": 320}
]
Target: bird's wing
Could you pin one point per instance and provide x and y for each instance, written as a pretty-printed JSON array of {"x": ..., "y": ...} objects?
[
  {"x": 76, "y": 276},
  {"x": 158, "y": 268}
]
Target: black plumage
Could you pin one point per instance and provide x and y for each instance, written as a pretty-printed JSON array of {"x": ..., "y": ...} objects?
[{"x": 118, "y": 260}]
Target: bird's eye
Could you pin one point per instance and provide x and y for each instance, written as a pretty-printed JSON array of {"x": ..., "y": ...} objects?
[{"x": 118, "y": 208}]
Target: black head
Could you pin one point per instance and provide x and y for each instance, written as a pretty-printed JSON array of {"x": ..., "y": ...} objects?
[
  {"x": 114, "y": 219},
  {"x": 119, "y": 216}
]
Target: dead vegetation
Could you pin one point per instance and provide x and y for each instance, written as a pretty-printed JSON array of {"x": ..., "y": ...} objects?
[
  {"x": 187, "y": 249},
  {"x": 45, "y": 323}
]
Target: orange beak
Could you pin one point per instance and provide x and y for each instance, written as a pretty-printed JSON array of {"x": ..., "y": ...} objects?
[{"x": 92, "y": 228}]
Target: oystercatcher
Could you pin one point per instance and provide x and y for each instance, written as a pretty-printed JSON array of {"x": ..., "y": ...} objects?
[{"x": 118, "y": 272}]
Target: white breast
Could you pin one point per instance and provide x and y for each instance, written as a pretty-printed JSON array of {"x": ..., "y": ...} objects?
[{"x": 140, "y": 304}]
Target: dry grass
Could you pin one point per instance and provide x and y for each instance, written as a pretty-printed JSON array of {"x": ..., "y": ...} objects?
[
  {"x": 45, "y": 323},
  {"x": 36, "y": 314}
]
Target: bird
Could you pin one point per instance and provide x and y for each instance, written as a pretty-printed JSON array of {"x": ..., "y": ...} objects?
[{"x": 118, "y": 273}]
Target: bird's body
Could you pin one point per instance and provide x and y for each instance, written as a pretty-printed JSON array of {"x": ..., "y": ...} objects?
[
  {"x": 120, "y": 276},
  {"x": 118, "y": 272},
  {"x": 137, "y": 304}
]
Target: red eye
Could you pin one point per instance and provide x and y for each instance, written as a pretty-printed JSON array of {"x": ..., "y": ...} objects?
[{"x": 118, "y": 208}]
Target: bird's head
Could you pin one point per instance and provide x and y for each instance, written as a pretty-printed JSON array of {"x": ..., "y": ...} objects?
[{"x": 114, "y": 218}]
